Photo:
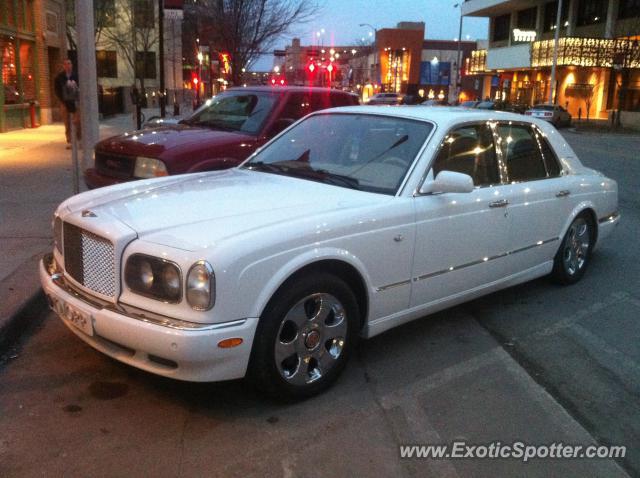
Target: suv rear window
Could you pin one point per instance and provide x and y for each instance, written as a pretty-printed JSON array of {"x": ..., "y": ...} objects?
[{"x": 234, "y": 111}]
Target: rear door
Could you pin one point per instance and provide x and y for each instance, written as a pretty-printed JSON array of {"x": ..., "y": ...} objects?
[{"x": 538, "y": 196}]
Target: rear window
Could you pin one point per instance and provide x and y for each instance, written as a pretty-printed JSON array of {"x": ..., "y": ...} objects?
[
  {"x": 543, "y": 107},
  {"x": 521, "y": 153},
  {"x": 244, "y": 112}
]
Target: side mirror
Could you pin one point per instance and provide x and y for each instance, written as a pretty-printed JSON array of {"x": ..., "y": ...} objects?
[
  {"x": 280, "y": 125},
  {"x": 448, "y": 182}
]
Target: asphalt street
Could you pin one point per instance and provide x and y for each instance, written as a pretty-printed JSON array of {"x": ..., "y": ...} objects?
[{"x": 537, "y": 363}]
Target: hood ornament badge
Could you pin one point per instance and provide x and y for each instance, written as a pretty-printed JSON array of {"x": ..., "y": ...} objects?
[{"x": 88, "y": 213}]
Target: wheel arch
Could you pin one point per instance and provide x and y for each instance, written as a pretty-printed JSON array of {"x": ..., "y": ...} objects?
[
  {"x": 585, "y": 207},
  {"x": 346, "y": 271}
]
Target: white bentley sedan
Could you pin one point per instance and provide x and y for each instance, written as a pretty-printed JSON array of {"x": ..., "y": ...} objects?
[{"x": 350, "y": 222}]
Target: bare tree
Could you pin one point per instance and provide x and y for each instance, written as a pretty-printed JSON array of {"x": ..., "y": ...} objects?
[
  {"x": 134, "y": 36},
  {"x": 105, "y": 15},
  {"x": 248, "y": 28}
]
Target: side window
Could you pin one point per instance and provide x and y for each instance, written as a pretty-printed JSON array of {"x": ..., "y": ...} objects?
[
  {"x": 320, "y": 101},
  {"x": 297, "y": 106},
  {"x": 341, "y": 100},
  {"x": 550, "y": 159},
  {"x": 469, "y": 150},
  {"x": 521, "y": 153}
]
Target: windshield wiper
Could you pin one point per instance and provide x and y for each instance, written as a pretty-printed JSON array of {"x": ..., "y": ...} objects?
[
  {"x": 267, "y": 167},
  {"x": 339, "y": 179}
]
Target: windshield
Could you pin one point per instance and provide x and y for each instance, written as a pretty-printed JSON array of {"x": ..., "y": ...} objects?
[
  {"x": 365, "y": 152},
  {"x": 245, "y": 112}
]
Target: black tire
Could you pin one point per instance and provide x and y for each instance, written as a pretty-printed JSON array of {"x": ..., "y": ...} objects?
[
  {"x": 574, "y": 254},
  {"x": 300, "y": 374}
]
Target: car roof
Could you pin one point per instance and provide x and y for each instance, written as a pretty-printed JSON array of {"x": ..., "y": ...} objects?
[
  {"x": 443, "y": 116},
  {"x": 289, "y": 89}
]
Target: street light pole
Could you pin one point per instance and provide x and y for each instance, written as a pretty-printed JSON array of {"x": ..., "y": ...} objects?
[
  {"x": 555, "y": 54},
  {"x": 458, "y": 60},
  {"x": 163, "y": 111},
  {"x": 375, "y": 51}
]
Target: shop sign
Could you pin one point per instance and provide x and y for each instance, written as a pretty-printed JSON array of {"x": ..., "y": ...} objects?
[{"x": 524, "y": 35}]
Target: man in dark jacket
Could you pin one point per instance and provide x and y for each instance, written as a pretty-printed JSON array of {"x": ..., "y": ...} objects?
[{"x": 66, "y": 89}]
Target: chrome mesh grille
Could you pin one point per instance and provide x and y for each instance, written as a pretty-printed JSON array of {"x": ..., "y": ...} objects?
[{"x": 90, "y": 260}]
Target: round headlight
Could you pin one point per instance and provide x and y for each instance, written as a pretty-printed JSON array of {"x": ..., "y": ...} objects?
[
  {"x": 146, "y": 275},
  {"x": 154, "y": 277},
  {"x": 201, "y": 286},
  {"x": 171, "y": 280}
]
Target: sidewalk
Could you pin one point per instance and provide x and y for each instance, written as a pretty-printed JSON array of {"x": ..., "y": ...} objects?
[{"x": 35, "y": 176}]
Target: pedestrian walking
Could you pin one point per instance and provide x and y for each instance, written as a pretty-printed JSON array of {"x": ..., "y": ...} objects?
[{"x": 66, "y": 89}]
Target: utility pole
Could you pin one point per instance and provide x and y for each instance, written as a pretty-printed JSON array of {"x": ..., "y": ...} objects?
[
  {"x": 87, "y": 77},
  {"x": 554, "y": 65},
  {"x": 458, "y": 59},
  {"x": 163, "y": 100}
]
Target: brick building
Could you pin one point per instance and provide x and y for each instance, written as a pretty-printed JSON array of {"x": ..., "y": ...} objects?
[{"x": 32, "y": 45}]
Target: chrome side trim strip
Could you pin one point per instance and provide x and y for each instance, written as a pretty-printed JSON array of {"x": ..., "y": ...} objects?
[
  {"x": 611, "y": 217},
  {"x": 484, "y": 259},
  {"x": 59, "y": 280},
  {"x": 391, "y": 286}
]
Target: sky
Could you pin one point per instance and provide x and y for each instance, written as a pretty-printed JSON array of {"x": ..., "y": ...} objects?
[{"x": 340, "y": 20}]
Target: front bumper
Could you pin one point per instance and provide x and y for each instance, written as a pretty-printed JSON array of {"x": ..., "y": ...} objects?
[
  {"x": 164, "y": 346},
  {"x": 93, "y": 179}
]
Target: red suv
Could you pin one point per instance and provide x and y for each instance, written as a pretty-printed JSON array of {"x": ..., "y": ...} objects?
[{"x": 219, "y": 135}]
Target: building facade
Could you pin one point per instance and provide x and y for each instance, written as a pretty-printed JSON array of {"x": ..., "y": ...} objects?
[
  {"x": 398, "y": 60},
  {"x": 127, "y": 51},
  {"x": 32, "y": 43},
  {"x": 598, "y": 62}
]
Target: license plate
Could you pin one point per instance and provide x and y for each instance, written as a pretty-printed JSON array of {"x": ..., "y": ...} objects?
[{"x": 77, "y": 318}]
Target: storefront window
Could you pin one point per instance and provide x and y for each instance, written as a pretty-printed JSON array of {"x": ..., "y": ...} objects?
[
  {"x": 19, "y": 86},
  {"x": 9, "y": 73},
  {"x": 26, "y": 73}
]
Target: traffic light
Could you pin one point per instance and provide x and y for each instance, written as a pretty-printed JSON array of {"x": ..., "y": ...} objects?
[{"x": 311, "y": 67}]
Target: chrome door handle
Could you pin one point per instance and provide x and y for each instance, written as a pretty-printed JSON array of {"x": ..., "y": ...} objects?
[
  {"x": 561, "y": 194},
  {"x": 499, "y": 203}
]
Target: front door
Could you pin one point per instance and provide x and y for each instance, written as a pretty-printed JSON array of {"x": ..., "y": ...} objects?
[{"x": 461, "y": 237}]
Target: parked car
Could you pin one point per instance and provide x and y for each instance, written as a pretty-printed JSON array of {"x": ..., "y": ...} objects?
[
  {"x": 435, "y": 103},
  {"x": 501, "y": 106},
  {"x": 219, "y": 135},
  {"x": 470, "y": 104},
  {"x": 554, "y": 114},
  {"x": 386, "y": 99},
  {"x": 353, "y": 221}
]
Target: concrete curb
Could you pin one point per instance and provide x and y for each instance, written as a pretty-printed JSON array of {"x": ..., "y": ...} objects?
[{"x": 24, "y": 299}]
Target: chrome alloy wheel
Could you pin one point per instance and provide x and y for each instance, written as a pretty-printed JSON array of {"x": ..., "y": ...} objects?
[
  {"x": 576, "y": 247},
  {"x": 310, "y": 339}
]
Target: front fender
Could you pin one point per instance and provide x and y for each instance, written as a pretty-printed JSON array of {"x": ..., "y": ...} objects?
[{"x": 253, "y": 278}]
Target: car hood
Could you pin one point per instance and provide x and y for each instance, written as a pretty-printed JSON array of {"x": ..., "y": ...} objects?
[
  {"x": 197, "y": 211},
  {"x": 155, "y": 142}
]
